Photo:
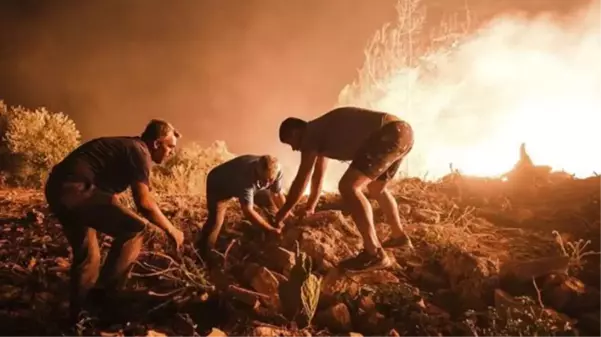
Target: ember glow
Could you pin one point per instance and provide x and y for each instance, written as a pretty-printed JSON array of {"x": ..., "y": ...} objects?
[{"x": 536, "y": 81}]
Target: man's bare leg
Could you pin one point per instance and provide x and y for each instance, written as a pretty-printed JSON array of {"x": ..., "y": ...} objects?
[
  {"x": 377, "y": 190},
  {"x": 398, "y": 238},
  {"x": 350, "y": 187}
]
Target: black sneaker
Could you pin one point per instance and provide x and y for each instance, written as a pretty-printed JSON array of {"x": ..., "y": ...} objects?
[
  {"x": 368, "y": 262},
  {"x": 402, "y": 241},
  {"x": 359, "y": 258}
]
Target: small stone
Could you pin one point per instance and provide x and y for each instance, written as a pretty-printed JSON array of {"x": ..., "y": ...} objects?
[
  {"x": 217, "y": 333},
  {"x": 336, "y": 318}
]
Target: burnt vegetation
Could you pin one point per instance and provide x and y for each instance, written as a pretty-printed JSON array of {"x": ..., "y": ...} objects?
[{"x": 504, "y": 256}]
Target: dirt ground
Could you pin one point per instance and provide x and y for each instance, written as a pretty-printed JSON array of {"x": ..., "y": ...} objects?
[{"x": 486, "y": 252}]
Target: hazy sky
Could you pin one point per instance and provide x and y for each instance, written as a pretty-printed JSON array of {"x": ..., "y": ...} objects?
[
  {"x": 225, "y": 70},
  {"x": 219, "y": 70}
]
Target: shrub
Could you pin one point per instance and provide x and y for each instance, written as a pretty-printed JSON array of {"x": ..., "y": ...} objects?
[
  {"x": 186, "y": 171},
  {"x": 32, "y": 141}
]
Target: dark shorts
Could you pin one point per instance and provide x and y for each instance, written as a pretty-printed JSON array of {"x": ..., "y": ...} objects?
[
  {"x": 79, "y": 205},
  {"x": 382, "y": 153}
]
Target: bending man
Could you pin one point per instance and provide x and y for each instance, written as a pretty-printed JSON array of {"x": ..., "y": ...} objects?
[
  {"x": 241, "y": 178},
  {"x": 81, "y": 191},
  {"x": 375, "y": 143}
]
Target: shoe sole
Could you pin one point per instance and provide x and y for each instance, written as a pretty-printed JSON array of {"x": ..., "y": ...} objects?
[{"x": 385, "y": 265}]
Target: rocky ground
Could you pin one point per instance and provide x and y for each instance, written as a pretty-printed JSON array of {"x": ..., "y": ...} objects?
[{"x": 492, "y": 257}]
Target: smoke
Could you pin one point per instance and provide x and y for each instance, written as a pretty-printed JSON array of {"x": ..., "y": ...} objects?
[
  {"x": 517, "y": 79},
  {"x": 218, "y": 70}
]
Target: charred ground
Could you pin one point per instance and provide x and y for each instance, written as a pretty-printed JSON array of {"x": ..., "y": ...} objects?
[{"x": 492, "y": 257}]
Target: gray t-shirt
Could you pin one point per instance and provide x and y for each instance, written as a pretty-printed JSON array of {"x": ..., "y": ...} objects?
[
  {"x": 340, "y": 133},
  {"x": 235, "y": 178}
]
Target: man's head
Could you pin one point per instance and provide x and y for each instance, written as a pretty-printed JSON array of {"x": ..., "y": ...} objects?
[
  {"x": 292, "y": 131},
  {"x": 267, "y": 170},
  {"x": 161, "y": 138}
]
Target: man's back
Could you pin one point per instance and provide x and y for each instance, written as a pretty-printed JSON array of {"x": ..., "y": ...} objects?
[
  {"x": 236, "y": 178},
  {"x": 112, "y": 164},
  {"x": 338, "y": 134}
]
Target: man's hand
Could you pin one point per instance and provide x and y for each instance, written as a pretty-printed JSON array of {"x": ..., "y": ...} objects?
[
  {"x": 275, "y": 232},
  {"x": 177, "y": 236},
  {"x": 307, "y": 211}
]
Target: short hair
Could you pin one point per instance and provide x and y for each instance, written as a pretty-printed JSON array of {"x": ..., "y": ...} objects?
[
  {"x": 290, "y": 124},
  {"x": 269, "y": 166},
  {"x": 157, "y": 129}
]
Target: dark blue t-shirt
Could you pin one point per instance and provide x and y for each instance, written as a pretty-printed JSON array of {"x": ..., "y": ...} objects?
[
  {"x": 235, "y": 179},
  {"x": 112, "y": 164}
]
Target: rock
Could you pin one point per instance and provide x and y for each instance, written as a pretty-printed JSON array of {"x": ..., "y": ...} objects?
[
  {"x": 266, "y": 331},
  {"x": 524, "y": 271},
  {"x": 373, "y": 323},
  {"x": 217, "y": 333},
  {"x": 280, "y": 259},
  {"x": 326, "y": 237},
  {"x": 428, "y": 279},
  {"x": 393, "y": 333},
  {"x": 337, "y": 318},
  {"x": 263, "y": 281},
  {"x": 154, "y": 333},
  {"x": 336, "y": 281},
  {"x": 112, "y": 334},
  {"x": 425, "y": 215},
  {"x": 367, "y": 304},
  {"x": 571, "y": 296},
  {"x": 471, "y": 277},
  {"x": 404, "y": 209}
]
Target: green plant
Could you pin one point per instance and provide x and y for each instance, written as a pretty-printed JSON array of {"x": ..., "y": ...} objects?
[
  {"x": 300, "y": 294},
  {"x": 32, "y": 141}
]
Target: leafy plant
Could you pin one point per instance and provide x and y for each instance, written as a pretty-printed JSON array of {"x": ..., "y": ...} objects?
[
  {"x": 300, "y": 294},
  {"x": 32, "y": 141}
]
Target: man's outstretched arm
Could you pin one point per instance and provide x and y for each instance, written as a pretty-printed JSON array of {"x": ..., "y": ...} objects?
[
  {"x": 146, "y": 205},
  {"x": 317, "y": 182},
  {"x": 298, "y": 185},
  {"x": 255, "y": 218}
]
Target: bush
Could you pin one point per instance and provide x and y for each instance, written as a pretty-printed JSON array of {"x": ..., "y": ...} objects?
[
  {"x": 32, "y": 141},
  {"x": 185, "y": 172}
]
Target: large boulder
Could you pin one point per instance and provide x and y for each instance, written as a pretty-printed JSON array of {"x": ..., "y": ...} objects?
[{"x": 326, "y": 236}]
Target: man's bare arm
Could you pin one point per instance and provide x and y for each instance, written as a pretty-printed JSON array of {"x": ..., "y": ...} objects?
[
  {"x": 317, "y": 181},
  {"x": 254, "y": 217},
  {"x": 298, "y": 185},
  {"x": 149, "y": 208}
]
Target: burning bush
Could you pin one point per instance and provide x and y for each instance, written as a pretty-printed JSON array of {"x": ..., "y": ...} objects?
[{"x": 32, "y": 141}]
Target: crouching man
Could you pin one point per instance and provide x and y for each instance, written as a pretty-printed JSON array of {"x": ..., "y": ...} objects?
[
  {"x": 81, "y": 192},
  {"x": 241, "y": 178},
  {"x": 375, "y": 143}
]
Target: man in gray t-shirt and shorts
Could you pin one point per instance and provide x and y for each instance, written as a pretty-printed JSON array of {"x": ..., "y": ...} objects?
[
  {"x": 241, "y": 178},
  {"x": 375, "y": 143}
]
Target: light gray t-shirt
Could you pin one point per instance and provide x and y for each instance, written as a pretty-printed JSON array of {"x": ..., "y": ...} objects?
[{"x": 235, "y": 178}]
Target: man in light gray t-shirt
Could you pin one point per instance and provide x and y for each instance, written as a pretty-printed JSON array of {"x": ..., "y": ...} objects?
[{"x": 241, "y": 178}]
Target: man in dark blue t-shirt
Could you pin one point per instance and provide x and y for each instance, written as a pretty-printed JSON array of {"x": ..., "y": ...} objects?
[
  {"x": 81, "y": 192},
  {"x": 241, "y": 178}
]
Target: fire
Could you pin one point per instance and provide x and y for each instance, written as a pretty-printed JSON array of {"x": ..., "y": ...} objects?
[{"x": 514, "y": 81}]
